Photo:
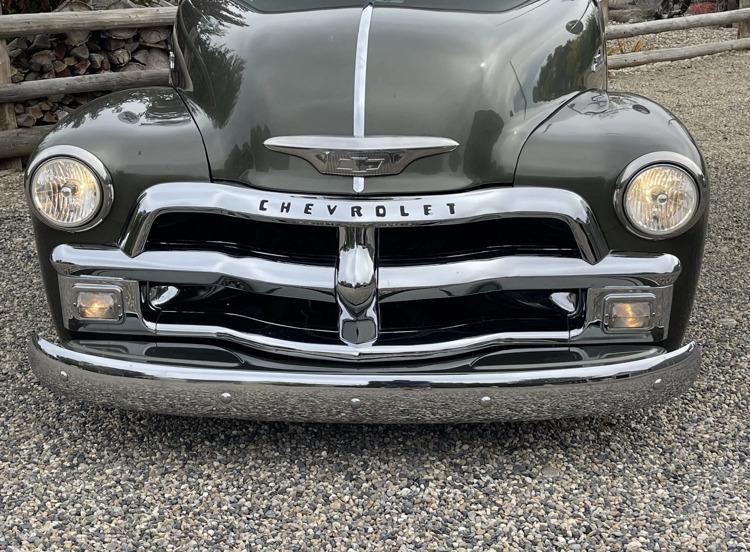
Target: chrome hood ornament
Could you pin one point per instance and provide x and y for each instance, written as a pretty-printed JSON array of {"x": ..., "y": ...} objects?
[{"x": 360, "y": 157}]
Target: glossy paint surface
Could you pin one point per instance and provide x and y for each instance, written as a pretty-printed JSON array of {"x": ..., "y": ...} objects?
[
  {"x": 584, "y": 148},
  {"x": 568, "y": 139},
  {"x": 143, "y": 137},
  {"x": 485, "y": 80}
]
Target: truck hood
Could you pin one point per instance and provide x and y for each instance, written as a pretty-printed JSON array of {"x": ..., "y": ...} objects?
[{"x": 485, "y": 79}]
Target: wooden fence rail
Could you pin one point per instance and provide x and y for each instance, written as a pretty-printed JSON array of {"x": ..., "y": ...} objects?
[
  {"x": 12, "y": 26},
  {"x": 85, "y": 83},
  {"x": 21, "y": 142},
  {"x": 665, "y": 25},
  {"x": 674, "y": 54}
]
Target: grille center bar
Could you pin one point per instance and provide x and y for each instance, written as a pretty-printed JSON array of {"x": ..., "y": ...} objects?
[{"x": 357, "y": 285}]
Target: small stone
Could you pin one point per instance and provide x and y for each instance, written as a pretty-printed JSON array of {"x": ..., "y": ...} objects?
[
  {"x": 19, "y": 108},
  {"x": 70, "y": 61},
  {"x": 17, "y": 77},
  {"x": 728, "y": 322},
  {"x": 45, "y": 106}
]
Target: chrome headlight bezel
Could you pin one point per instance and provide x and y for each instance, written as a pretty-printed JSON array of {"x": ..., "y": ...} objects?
[
  {"x": 661, "y": 158},
  {"x": 91, "y": 162}
]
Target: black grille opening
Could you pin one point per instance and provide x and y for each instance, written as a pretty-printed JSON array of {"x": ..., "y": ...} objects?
[
  {"x": 240, "y": 237},
  {"x": 477, "y": 240},
  {"x": 244, "y": 311},
  {"x": 452, "y": 318}
]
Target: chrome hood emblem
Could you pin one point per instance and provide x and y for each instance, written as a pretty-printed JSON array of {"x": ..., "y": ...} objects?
[{"x": 366, "y": 156}]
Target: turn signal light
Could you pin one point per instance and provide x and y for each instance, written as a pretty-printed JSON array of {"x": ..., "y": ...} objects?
[
  {"x": 99, "y": 305},
  {"x": 629, "y": 313}
]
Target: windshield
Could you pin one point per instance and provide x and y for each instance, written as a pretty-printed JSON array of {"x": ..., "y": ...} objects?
[{"x": 278, "y": 6}]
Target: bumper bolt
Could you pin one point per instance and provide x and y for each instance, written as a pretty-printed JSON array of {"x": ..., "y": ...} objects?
[
  {"x": 486, "y": 401},
  {"x": 356, "y": 403},
  {"x": 64, "y": 375},
  {"x": 659, "y": 384},
  {"x": 226, "y": 398}
]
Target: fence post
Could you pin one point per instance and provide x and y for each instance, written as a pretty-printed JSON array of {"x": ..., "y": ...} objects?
[
  {"x": 605, "y": 11},
  {"x": 7, "y": 112},
  {"x": 743, "y": 30}
]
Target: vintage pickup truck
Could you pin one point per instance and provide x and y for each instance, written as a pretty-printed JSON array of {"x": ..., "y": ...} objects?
[{"x": 382, "y": 212}]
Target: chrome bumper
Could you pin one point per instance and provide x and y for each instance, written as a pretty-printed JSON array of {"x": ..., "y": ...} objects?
[{"x": 481, "y": 389}]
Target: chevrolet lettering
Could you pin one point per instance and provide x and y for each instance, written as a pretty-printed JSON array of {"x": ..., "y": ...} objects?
[{"x": 372, "y": 212}]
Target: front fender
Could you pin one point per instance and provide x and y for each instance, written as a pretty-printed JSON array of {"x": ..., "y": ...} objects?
[
  {"x": 143, "y": 137},
  {"x": 586, "y": 146}
]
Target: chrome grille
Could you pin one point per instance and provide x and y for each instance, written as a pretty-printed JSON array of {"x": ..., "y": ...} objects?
[{"x": 372, "y": 276}]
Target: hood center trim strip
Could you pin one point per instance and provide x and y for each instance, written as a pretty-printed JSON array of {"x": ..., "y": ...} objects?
[{"x": 360, "y": 83}]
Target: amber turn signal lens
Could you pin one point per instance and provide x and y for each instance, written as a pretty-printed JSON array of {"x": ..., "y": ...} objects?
[
  {"x": 98, "y": 305},
  {"x": 629, "y": 315}
]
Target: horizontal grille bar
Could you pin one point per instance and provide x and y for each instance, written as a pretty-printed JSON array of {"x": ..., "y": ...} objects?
[
  {"x": 244, "y": 202},
  {"x": 404, "y": 283}
]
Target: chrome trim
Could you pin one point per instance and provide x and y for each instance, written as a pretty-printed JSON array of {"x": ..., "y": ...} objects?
[
  {"x": 411, "y": 283},
  {"x": 360, "y": 71},
  {"x": 648, "y": 161},
  {"x": 360, "y": 84},
  {"x": 357, "y": 286},
  {"x": 487, "y": 389},
  {"x": 361, "y": 156},
  {"x": 373, "y": 353},
  {"x": 244, "y": 202},
  {"x": 594, "y": 330},
  {"x": 132, "y": 322},
  {"x": 199, "y": 268},
  {"x": 403, "y": 283},
  {"x": 88, "y": 159}
]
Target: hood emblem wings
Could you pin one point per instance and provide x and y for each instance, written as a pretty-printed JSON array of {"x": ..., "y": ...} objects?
[{"x": 366, "y": 156}]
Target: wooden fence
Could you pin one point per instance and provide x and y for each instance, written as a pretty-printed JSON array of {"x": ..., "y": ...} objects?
[{"x": 16, "y": 143}]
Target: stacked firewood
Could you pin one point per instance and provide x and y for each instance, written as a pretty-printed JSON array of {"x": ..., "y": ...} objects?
[{"x": 81, "y": 53}]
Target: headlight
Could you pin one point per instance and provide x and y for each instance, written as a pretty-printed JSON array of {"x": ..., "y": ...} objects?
[
  {"x": 661, "y": 200},
  {"x": 67, "y": 192}
]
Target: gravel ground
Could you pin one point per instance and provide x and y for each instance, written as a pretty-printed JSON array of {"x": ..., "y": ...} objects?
[{"x": 79, "y": 477}]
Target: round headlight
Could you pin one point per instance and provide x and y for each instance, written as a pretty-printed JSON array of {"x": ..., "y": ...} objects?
[
  {"x": 66, "y": 192},
  {"x": 661, "y": 200}
]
